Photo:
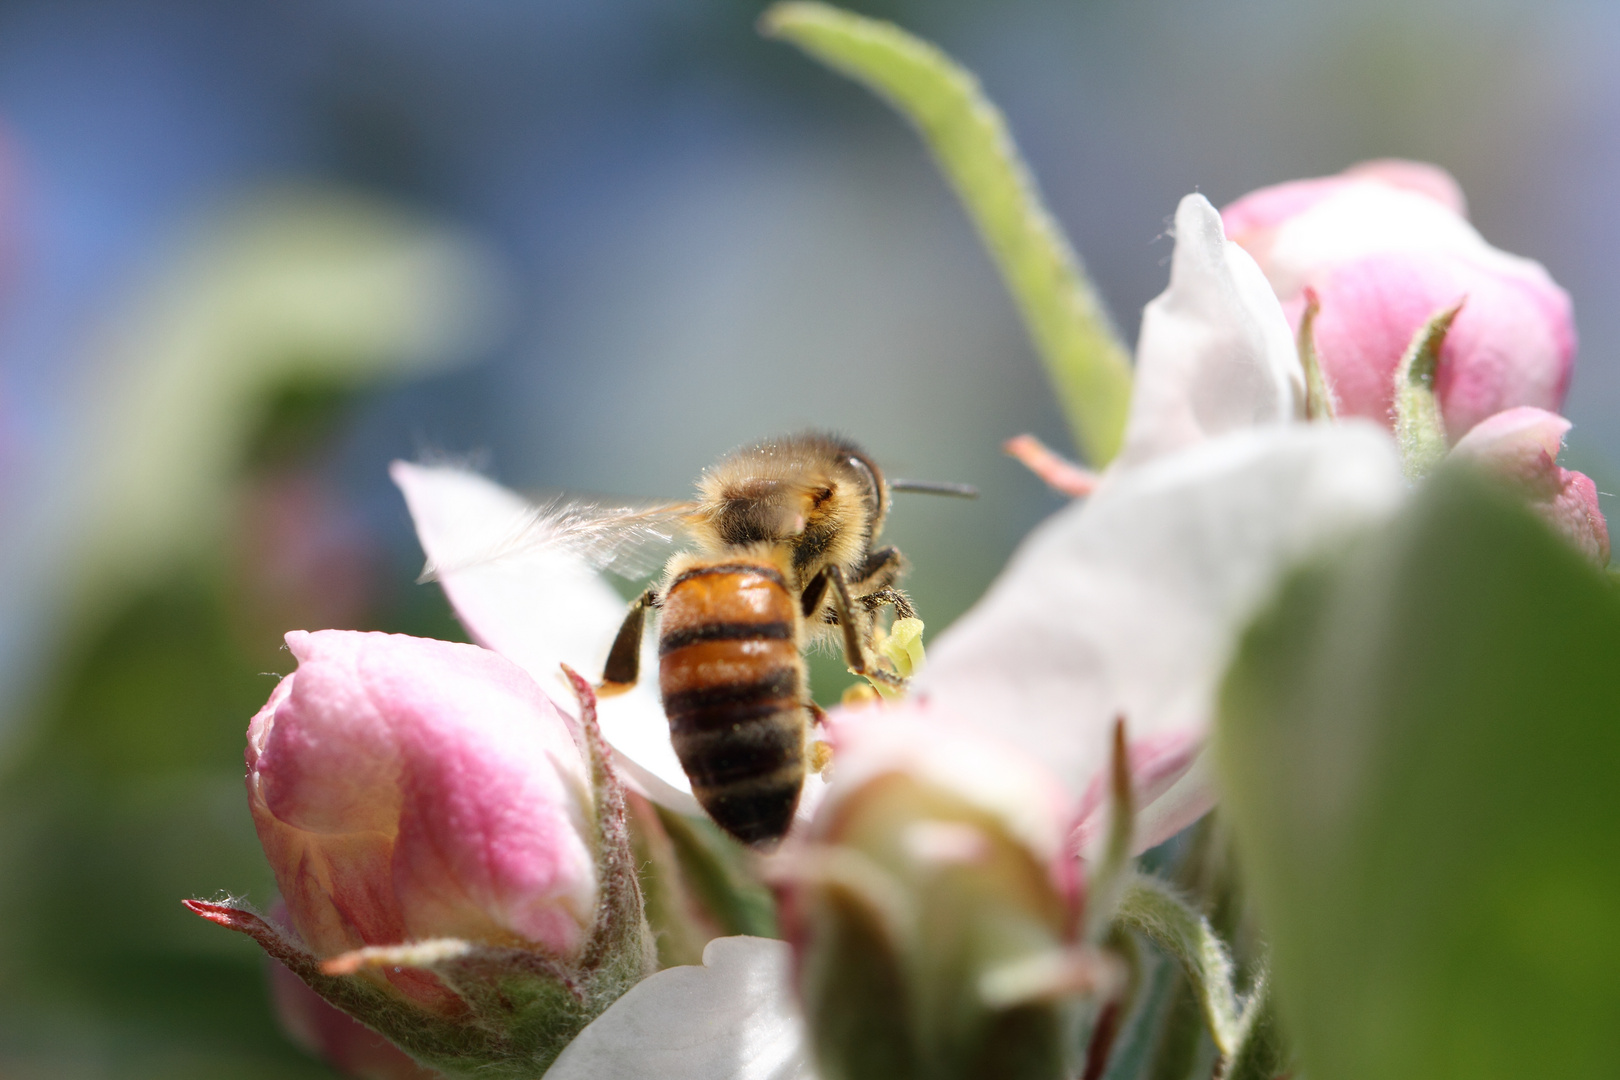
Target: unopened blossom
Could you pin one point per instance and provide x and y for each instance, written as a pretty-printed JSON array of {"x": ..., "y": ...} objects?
[
  {"x": 1521, "y": 446},
  {"x": 934, "y": 911},
  {"x": 1381, "y": 249},
  {"x": 454, "y": 870},
  {"x": 406, "y": 789}
]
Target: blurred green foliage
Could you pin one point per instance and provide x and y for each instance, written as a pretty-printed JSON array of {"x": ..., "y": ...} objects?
[
  {"x": 128, "y": 797},
  {"x": 1418, "y": 746}
]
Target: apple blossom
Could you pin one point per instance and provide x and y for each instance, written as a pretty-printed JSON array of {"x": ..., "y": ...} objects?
[
  {"x": 454, "y": 864},
  {"x": 1382, "y": 248},
  {"x": 1124, "y": 605}
]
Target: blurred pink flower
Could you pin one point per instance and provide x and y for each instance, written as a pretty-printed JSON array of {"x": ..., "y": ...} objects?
[
  {"x": 407, "y": 789},
  {"x": 1382, "y": 248},
  {"x": 1521, "y": 445}
]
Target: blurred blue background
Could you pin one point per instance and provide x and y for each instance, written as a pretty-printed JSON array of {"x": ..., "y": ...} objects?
[{"x": 251, "y": 252}]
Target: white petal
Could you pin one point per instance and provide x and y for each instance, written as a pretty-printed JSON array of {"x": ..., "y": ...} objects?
[
  {"x": 1129, "y": 604},
  {"x": 734, "y": 1018},
  {"x": 539, "y": 607},
  {"x": 1215, "y": 353}
]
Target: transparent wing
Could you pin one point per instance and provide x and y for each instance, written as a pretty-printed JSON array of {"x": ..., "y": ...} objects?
[{"x": 629, "y": 541}]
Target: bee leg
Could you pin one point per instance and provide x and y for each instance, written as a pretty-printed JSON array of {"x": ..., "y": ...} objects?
[
  {"x": 623, "y": 665},
  {"x": 881, "y": 568},
  {"x": 855, "y": 631},
  {"x": 814, "y": 593},
  {"x": 889, "y": 595}
]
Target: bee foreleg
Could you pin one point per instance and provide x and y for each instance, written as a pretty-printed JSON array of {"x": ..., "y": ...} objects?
[
  {"x": 855, "y": 631},
  {"x": 623, "y": 665},
  {"x": 815, "y": 593}
]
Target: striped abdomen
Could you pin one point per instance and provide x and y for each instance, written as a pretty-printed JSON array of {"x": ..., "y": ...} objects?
[{"x": 733, "y": 686}]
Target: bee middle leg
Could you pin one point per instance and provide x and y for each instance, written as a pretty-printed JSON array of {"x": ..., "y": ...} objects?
[
  {"x": 881, "y": 569},
  {"x": 623, "y": 665},
  {"x": 855, "y": 623}
]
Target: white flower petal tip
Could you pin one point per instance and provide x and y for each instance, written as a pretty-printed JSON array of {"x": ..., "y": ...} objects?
[
  {"x": 1128, "y": 605},
  {"x": 734, "y": 1018},
  {"x": 539, "y": 607},
  {"x": 1215, "y": 353}
]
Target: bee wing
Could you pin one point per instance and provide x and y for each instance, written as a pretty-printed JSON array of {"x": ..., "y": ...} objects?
[{"x": 629, "y": 541}]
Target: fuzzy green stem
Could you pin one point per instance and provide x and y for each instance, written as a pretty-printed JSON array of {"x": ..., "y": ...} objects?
[{"x": 968, "y": 136}]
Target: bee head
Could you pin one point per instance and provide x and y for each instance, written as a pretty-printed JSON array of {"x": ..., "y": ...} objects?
[
  {"x": 818, "y": 493},
  {"x": 759, "y": 510}
]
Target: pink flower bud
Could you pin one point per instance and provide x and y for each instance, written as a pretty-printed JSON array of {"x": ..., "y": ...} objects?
[
  {"x": 1382, "y": 248},
  {"x": 407, "y": 789},
  {"x": 452, "y": 850},
  {"x": 1521, "y": 446}
]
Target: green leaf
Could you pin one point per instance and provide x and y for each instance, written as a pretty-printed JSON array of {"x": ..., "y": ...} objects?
[
  {"x": 1418, "y": 424},
  {"x": 1418, "y": 746},
  {"x": 971, "y": 143}
]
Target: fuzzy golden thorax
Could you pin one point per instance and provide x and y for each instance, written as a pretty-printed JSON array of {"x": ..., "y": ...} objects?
[{"x": 818, "y": 496}]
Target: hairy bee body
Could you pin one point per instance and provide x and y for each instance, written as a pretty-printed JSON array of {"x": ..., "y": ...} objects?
[
  {"x": 734, "y": 689},
  {"x": 784, "y": 532}
]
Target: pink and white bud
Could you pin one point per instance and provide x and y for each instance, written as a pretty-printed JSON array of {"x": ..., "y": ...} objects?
[
  {"x": 932, "y": 910},
  {"x": 451, "y": 848},
  {"x": 1521, "y": 446},
  {"x": 407, "y": 789},
  {"x": 1382, "y": 248}
]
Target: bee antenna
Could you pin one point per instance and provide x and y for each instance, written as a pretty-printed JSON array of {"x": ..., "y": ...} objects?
[{"x": 934, "y": 487}]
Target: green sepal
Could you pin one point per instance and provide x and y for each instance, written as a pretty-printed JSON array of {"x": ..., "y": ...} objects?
[
  {"x": 1320, "y": 401},
  {"x": 1088, "y": 364},
  {"x": 1260, "y": 1052},
  {"x": 1419, "y": 428},
  {"x": 716, "y": 869},
  {"x": 1112, "y": 875},
  {"x": 1149, "y": 907}
]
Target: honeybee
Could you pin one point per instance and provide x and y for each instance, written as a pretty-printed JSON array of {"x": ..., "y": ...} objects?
[{"x": 785, "y": 533}]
